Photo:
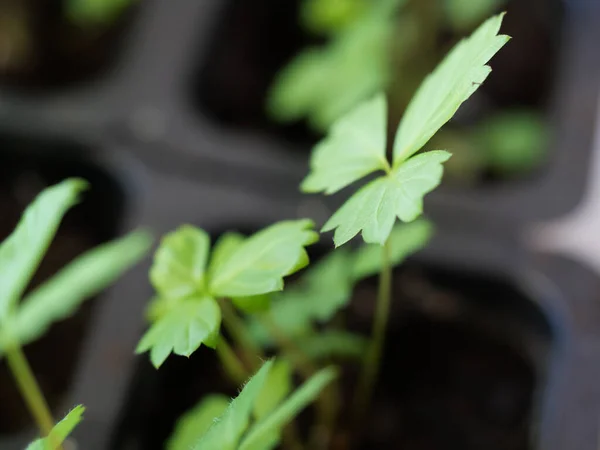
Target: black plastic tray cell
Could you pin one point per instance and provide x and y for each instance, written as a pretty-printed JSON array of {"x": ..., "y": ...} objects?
[
  {"x": 26, "y": 167},
  {"x": 50, "y": 45}
]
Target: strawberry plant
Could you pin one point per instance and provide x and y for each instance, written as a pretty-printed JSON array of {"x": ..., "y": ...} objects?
[{"x": 239, "y": 282}]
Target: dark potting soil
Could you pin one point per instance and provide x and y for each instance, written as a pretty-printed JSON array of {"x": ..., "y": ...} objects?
[
  {"x": 42, "y": 48},
  {"x": 465, "y": 355},
  {"x": 53, "y": 358}
]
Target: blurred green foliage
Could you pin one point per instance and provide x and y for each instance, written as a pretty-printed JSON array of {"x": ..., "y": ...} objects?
[{"x": 392, "y": 45}]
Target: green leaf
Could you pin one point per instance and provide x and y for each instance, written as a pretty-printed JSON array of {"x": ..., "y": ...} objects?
[
  {"x": 466, "y": 14},
  {"x": 83, "y": 278},
  {"x": 226, "y": 246},
  {"x": 22, "y": 251},
  {"x": 374, "y": 208},
  {"x": 354, "y": 148},
  {"x": 322, "y": 84},
  {"x": 261, "y": 433},
  {"x": 180, "y": 263},
  {"x": 333, "y": 344},
  {"x": 60, "y": 432},
  {"x": 259, "y": 264},
  {"x": 228, "y": 428},
  {"x": 182, "y": 330},
  {"x": 278, "y": 385},
  {"x": 457, "y": 77},
  {"x": 405, "y": 239},
  {"x": 327, "y": 286},
  {"x": 195, "y": 423}
]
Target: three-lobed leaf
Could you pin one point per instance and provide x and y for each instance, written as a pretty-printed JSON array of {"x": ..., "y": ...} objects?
[
  {"x": 190, "y": 323},
  {"x": 399, "y": 194},
  {"x": 374, "y": 208},
  {"x": 60, "y": 432},
  {"x": 22, "y": 251}
]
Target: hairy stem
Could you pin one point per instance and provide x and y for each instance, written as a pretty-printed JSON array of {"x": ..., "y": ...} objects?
[
  {"x": 236, "y": 327},
  {"x": 234, "y": 368},
  {"x": 372, "y": 362},
  {"x": 30, "y": 390}
]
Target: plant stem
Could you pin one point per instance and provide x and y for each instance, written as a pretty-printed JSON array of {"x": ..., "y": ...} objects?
[
  {"x": 236, "y": 327},
  {"x": 30, "y": 389},
  {"x": 372, "y": 362},
  {"x": 231, "y": 363}
]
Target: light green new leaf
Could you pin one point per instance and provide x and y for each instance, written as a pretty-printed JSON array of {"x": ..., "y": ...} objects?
[
  {"x": 259, "y": 264},
  {"x": 405, "y": 239},
  {"x": 180, "y": 263},
  {"x": 84, "y": 277},
  {"x": 22, "y": 251},
  {"x": 228, "y": 428},
  {"x": 354, "y": 148},
  {"x": 457, "y": 77},
  {"x": 182, "y": 330},
  {"x": 196, "y": 422},
  {"x": 60, "y": 432},
  {"x": 374, "y": 208},
  {"x": 279, "y": 384},
  {"x": 261, "y": 433}
]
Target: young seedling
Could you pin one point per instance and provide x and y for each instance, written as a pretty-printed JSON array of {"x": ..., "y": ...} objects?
[
  {"x": 22, "y": 322},
  {"x": 252, "y": 421},
  {"x": 356, "y": 147},
  {"x": 194, "y": 294}
]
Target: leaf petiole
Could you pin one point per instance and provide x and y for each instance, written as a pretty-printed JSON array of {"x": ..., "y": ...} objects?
[
  {"x": 233, "y": 366},
  {"x": 29, "y": 388},
  {"x": 372, "y": 361},
  {"x": 252, "y": 353}
]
